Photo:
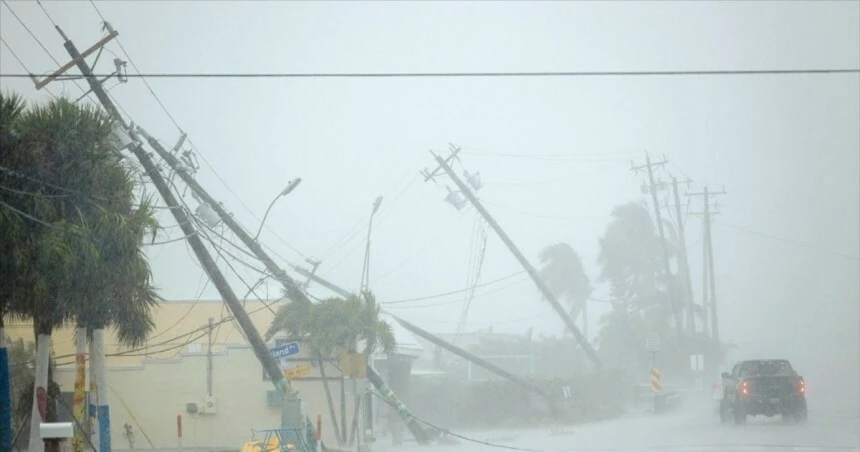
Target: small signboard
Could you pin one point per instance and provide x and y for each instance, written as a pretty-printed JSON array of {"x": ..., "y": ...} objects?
[
  {"x": 652, "y": 342},
  {"x": 298, "y": 371},
  {"x": 697, "y": 362},
  {"x": 282, "y": 351}
]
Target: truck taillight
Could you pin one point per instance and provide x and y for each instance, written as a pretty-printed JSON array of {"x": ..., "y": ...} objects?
[
  {"x": 801, "y": 386},
  {"x": 745, "y": 388}
]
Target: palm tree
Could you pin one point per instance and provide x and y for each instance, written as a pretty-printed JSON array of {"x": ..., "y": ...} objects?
[
  {"x": 332, "y": 327},
  {"x": 631, "y": 260},
  {"x": 78, "y": 256},
  {"x": 562, "y": 270}
]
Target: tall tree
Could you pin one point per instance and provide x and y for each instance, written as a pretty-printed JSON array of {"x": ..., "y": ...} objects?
[
  {"x": 562, "y": 270},
  {"x": 78, "y": 256}
]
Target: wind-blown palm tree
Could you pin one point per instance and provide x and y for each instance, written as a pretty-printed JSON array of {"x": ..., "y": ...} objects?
[
  {"x": 332, "y": 327},
  {"x": 631, "y": 260},
  {"x": 562, "y": 270},
  {"x": 79, "y": 255}
]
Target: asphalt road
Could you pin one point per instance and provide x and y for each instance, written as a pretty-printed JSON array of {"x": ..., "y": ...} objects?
[{"x": 694, "y": 427}]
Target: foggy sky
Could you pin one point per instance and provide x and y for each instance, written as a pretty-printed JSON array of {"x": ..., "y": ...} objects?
[{"x": 787, "y": 148}]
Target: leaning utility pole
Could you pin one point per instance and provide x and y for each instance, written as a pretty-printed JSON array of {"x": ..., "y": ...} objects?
[
  {"x": 710, "y": 280},
  {"x": 684, "y": 262},
  {"x": 670, "y": 285},
  {"x": 294, "y": 290},
  {"x": 545, "y": 291},
  {"x": 291, "y": 418}
]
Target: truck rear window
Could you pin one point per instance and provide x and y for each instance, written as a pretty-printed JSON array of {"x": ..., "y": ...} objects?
[{"x": 766, "y": 369}]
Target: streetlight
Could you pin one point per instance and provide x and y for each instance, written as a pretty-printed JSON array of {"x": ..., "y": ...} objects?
[
  {"x": 365, "y": 270},
  {"x": 291, "y": 185}
]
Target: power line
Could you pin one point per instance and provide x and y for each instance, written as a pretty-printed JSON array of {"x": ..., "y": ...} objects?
[
  {"x": 524, "y": 74},
  {"x": 453, "y": 292},
  {"x": 790, "y": 242},
  {"x": 551, "y": 217},
  {"x": 38, "y": 41},
  {"x": 448, "y": 432},
  {"x": 23, "y": 66}
]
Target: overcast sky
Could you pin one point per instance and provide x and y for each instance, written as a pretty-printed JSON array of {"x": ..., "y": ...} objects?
[{"x": 786, "y": 147}]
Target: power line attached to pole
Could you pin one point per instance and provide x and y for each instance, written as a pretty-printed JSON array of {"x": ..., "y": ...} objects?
[
  {"x": 709, "y": 295},
  {"x": 456, "y": 198}
]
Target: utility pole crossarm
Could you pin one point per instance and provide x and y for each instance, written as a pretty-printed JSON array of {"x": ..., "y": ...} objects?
[{"x": 113, "y": 34}]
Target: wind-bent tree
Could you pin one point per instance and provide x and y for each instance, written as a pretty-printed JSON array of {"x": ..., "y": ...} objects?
[
  {"x": 333, "y": 327},
  {"x": 562, "y": 270},
  {"x": 631, "y": 260},
  {"x": 77, "y": 236}
]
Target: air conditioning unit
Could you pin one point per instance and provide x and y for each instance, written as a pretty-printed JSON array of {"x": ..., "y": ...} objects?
[{"x": 210, "y": 405}]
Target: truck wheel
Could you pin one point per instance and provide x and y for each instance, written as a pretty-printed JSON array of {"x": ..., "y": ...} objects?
[
  {"x": 800, "y": 414},
  {"x": 739, "y": 416},
  {"x": 725, "y": 413},
  {"x": 788, "y": 418}
]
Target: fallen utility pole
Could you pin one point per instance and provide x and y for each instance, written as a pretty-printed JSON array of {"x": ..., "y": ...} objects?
[
  {"x": 439, "y": 341},
  {"x": 290, "y": 417},
  {"x": 294, "y": 292},
  {"x": 479, "y": 361},
  {"x": 539, "y": 282}
]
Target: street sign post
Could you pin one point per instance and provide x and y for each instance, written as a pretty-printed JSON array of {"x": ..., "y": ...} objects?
[
  {"x": 282, "y": 351},
  {"x": 652, "y": 342}
]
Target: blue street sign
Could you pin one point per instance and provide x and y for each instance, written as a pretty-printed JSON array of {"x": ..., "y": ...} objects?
[{"x": 282, "y": 351}]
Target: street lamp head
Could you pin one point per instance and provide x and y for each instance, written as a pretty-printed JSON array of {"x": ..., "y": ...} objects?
[
  {"x": 291, "y": 186},
  {"x": 377, "y": 203}
]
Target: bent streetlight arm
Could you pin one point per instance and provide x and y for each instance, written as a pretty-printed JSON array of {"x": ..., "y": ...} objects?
[{"x": 290, "y": 187}]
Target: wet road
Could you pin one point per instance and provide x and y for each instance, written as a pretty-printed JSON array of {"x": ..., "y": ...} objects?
[{"x": 692, "y": 428}]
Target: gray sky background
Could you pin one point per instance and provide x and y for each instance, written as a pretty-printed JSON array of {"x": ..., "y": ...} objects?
[{"x": 787, "y": 148}]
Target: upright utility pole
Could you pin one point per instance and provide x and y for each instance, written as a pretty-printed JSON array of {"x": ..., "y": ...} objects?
[
  {"x": 710, "y": 280},
  {"x": 684, "y": 262},
  {"x": 290, "y": 421},
  {"x": 539, "y": 282},
  {"x": 670, "y": 285},
  {"x": 294, "y": 290},
  {"x": 209, "y": 359}
]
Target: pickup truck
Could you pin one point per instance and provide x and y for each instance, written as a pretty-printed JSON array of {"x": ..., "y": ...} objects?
[{"x": 763, "y": 387}]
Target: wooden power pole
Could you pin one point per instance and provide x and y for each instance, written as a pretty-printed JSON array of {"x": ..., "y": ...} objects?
[
  {"x": 684, "y": 263},
  {"x": 291, "y": 420},
  {"x": 670, "y": 284},
  {"x": 709, "y": 281},
  {"x": 539, "y": 282}
]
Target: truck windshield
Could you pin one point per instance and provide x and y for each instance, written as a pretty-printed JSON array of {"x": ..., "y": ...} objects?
[{"x": 766, "y": 368}]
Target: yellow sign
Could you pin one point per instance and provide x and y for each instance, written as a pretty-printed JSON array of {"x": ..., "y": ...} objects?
[
  {"x": 353, "y": 365},
  {"x": 298, "y": 371}
]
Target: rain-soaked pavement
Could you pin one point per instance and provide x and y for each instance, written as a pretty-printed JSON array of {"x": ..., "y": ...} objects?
[{"x": 695, "y": 427}]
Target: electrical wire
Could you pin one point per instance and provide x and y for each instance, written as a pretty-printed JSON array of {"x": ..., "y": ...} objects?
[
  {"x": 789, "y": 242},
  {"x": 549, "y": 217},
  {"x": 38, "y": 41},
  {"x": 23, "y": 66},
  {"x": 488, "y": 74},
  {"x": 21, "y": 175},
  {"x": 445, "y": 303},
  {"x": 457, "y": 435},
  {"x": 453, "y": 292},
  {"x": 188, "y": 139}
]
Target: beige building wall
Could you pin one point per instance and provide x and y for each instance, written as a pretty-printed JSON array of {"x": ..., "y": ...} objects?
[{"x": 150, "y": 385}]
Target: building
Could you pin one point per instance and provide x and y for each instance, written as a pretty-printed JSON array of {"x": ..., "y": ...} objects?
[{"x": 198, "y": 365}]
